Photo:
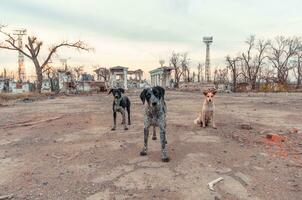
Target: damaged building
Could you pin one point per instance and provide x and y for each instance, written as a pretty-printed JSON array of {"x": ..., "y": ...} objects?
[{"x": 161, "y": 76}]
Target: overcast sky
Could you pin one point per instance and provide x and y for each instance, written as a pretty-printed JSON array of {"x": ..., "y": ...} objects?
[{"x": 137, "y": 33}]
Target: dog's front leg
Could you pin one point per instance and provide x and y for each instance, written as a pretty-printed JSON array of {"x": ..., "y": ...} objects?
[
  {"x": 114, "y": 121},
  {"x": 213, "y": 121},
  {"x": 203, "y": 119},
  {"x": 154, "y": 133},
  {"x": 128, "y": 112},
  {"x": 146, "y": 136},
  {"x": 163, "y": 142},
  {"x": 124, "y": 119}
]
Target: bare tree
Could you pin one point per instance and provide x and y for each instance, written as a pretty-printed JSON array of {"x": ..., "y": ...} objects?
[
  {"x": 282, "y": 49},
  {"x": 79, "y": 71},
  {"x": 199, "y": 72},
  {"x": 267, "y": 75},
  {"x": 52, "y": 76},
  {"x": 297, "y": 68},
  {"x": 221, "y": 76},
  {"x": 33, "y": 47},
  {"x": 253, "y": 59},
  {"x": 102, "y": 72},
  {"x": 175, "y": 62},
  {"x": 185, "y": 67},
  {"x": 193, "y": 76},
  {"x": 232, "y": 64}
]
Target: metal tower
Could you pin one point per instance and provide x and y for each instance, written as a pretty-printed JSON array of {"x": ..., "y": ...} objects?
[
  {"x": 208, "y": 41},
  {"x": 21, "y": 69}
]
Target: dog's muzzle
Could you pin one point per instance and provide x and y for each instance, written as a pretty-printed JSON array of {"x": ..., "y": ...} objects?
[{"x": 154, "y": 104}]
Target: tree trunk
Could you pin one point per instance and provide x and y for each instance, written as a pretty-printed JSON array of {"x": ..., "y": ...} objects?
[
  {"x": 39, "y": 74},
  {"x": 176, "y": 78},
  {"x": 234, "y": 84},
  {"x": 234, "y": 80}
]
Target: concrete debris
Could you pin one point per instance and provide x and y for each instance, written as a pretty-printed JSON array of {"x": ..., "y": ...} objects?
[
  {"x": 223, "y": 171},
  {"x": 244, "y": 179},
  {"x": 246, "y": 126},
  {"x": 4, "y": 197},
  {"x": 212, "y": 183}
]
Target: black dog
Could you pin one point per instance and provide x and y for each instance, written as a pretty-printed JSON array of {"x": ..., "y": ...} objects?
[
  {"x": 155, "y": 115},
  {"x": 120, "y": 104}
]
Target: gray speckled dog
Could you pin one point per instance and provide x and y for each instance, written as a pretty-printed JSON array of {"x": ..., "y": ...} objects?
[
  {"x": 155, "y": 115},
  {"x": 120, "y": 104}
]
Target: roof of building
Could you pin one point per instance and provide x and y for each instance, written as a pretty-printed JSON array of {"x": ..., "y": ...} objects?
[
  {"x": 118, "y": 67},
  {"x": 138, "y": 71},
  {"x": 164, "y": 68}
]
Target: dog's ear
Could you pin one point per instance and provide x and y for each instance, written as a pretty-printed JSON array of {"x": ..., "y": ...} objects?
[
  {"x": 121, "y": 90},
  {"x": 110, "y": 91},
  {"x": 214, "y": 92},
  {"x": 205, "y": 92},
  {"x": 161, "y": 92},
  {"x": 143, "y": 95}
]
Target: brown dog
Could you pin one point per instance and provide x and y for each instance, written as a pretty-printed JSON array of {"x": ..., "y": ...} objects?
[{"x": 207, "y": 112}]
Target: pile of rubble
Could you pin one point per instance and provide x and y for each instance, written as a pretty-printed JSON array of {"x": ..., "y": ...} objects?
[{"x": 197, "y": 86}]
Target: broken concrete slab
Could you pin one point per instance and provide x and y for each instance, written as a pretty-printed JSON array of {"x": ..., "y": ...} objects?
[{"x": 245, "y": 179}]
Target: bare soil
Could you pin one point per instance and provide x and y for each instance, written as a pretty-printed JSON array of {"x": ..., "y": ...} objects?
[{"x": 63, "y": 148}]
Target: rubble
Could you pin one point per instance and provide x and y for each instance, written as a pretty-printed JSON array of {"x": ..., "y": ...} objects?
[
  {"x": 243, "y": 178},
  {"x": 212, "y": 183},
  {"x": 276, "y": 138},
  {"x": 246, "y": 126}
]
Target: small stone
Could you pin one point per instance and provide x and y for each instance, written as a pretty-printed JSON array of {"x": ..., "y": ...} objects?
[
  {"x": 244, "y": 178},
  {"x": 246, "y": 126},
  {"x": 223, "y": 170}
]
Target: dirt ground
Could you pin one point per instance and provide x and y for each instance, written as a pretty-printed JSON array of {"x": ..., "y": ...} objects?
[{"x": 63, "y": 148}]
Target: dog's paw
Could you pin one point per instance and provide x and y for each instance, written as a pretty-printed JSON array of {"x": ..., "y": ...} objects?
[
  {"x": 129, "y": 123},
  {"x": 113, "y": 129},
  {"x": 125, "y": 128},
  {"x": 143, "y": 153},
  {"x": 166, "y": 159},
  {"x": 154, "y": 138},
  {"x": 214, "y": 127}
]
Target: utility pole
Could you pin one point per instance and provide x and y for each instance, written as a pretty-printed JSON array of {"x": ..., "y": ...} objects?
[{"x": 21, "y": 68}]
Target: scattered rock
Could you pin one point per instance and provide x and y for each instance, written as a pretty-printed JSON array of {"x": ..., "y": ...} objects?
[
  {"x": 243, "y": 178},
  {"x": 293, "y": 131},
  {"x": 27, "y": 100},
  {"x": 276, "y": 137},
  {"x": 263, "y": 154},
  {"x": 4, "y": 197},
  {"x": 246, "y": 126},
  {"x": 212, "y": 183},
  {"x": 223, "y": 171}
]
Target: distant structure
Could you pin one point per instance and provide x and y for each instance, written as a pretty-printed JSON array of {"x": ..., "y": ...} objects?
[
  {"x": 208, "y": 41},
  {"x": 161, "y": 62},
  {"x": 118, "y": 77},
  {"x": 21, "y": 68},
  {"x": 161, "y": 76}
]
